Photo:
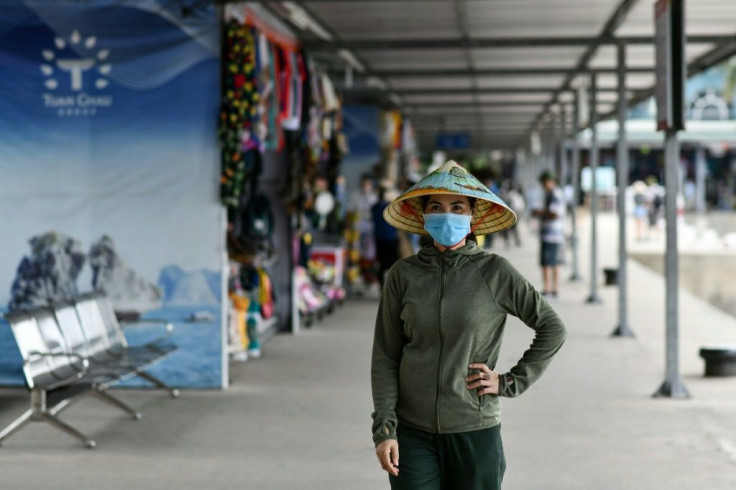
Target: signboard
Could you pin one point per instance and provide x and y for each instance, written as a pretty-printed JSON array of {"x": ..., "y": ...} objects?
[
  {"x": 670, "y": 64},
  {"x": 453, "y": 141},
  {"x": 109, "y": 163}
]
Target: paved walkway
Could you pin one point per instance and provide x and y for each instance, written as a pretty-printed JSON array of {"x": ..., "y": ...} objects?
[{"x": 300, "y": 417}]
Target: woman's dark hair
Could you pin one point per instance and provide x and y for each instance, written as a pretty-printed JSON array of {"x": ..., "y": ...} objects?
[{"x": 425, "y": 200}]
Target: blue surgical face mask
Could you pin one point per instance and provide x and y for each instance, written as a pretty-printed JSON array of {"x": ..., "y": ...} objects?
[{"x": 447, "y": 229}]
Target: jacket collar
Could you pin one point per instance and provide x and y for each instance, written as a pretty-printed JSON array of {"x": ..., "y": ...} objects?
[{"x": 430, "y": 253}]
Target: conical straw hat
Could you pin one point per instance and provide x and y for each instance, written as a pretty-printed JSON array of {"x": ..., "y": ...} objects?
[{"x": 491, "y": 213}]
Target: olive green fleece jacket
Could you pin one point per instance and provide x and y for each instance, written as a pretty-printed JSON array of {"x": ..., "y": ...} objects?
[{"x": 440, "y": 312}]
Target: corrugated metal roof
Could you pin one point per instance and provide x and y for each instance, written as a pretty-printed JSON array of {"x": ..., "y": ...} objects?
[{"x": 503, "y": 52}]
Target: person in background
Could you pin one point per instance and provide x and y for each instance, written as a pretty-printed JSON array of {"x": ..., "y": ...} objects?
[
  {"x": 436, "y": 392},
  {"x": 386, "y": 236},
  {"x": 515, "y": 200},
  {"x": 551, "y": 233},
  {"x": 656, "y": 201},
  {"x": 362, "y": 203},
  {"x": 641, "y": 209}
]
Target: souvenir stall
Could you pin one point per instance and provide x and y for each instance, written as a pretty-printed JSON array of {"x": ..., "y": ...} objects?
[
  {"x": 396, "y": 151},
  {"x": 281, "y": 150}
]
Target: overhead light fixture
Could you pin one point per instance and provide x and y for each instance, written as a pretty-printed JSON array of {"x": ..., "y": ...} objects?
[
  {"x": 299, "y": 17},
  {"x": 395, "y": 99},
  {"x": 376, "y": 83},
  {"x": 351, "y": 60}
]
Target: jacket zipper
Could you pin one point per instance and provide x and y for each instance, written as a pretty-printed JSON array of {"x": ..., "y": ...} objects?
[{"x": 439, "y": 358}]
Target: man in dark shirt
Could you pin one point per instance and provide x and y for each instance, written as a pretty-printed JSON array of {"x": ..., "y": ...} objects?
[{"x": 387, "y": 239}]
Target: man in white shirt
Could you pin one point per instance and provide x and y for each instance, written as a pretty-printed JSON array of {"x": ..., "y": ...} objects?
[{"x": 551, "y": 232}]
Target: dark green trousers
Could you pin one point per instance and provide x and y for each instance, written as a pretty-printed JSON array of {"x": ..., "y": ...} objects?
[{"x": 464, "y": 461}]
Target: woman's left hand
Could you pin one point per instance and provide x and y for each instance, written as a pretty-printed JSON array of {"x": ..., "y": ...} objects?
[{"x": 485, "y": 380}]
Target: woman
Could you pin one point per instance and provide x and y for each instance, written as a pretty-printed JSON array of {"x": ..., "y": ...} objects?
[
  {"x": 640, "y": 208},
  {"x": 437, "y": 338}
]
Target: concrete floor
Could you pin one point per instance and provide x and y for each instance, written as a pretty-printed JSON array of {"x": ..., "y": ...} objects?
[{"x": 300, "y": 416}]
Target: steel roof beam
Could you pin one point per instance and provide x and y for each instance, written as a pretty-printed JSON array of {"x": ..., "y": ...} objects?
[
  {"x": 333, "y": 1},
  {"x": 459, "y": 112},
  {"x": 469, "y": 91},
  {"x": 515, "y": 130},
  {"x": 432, "y": 122},
  {"x": 607, "y": 33},
  {"x": 461, "y": 15},
  {"x": 522, "y": 105},
  {"x": 703, "y": 62},
  {"x": 606, "y": 38},
  {"x": 499, "y": 72},
  {"x": 464, "y": 119},
  {"x": 459, "y": 105}
]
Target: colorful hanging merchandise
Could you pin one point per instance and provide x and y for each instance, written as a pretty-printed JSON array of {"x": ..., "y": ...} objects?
[
  {"x": 252, "y": 320},
  {"x": 268, "y": 131},
  {"x": 239, "y": 111},
  {"x": 239, "y": 303},
  {"x": 311, "y": 301},
  {"x": 257, "y": 220},
  {"x": 252, "y": 303}
]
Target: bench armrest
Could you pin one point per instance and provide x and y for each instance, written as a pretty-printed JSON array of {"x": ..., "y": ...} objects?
[
  {"x": 81, "y": 371},
  {"x": 168, "y": 326}
]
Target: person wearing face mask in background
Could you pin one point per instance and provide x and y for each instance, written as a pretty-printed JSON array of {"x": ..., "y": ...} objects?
[{"x": 436, "y": 394}]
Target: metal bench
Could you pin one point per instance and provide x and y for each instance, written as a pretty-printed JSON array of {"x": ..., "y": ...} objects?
[
  {"x": 75, "y": 348},
  {"x": 92, "y": 321},
  {"x": 96, "y": 312},
  {"x": 53, "y": 378}
]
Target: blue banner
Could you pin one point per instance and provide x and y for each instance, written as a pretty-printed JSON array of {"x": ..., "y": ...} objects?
[{"x": 109, "y": 168}]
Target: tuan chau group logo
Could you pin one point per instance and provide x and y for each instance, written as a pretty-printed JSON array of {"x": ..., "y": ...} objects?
[{"x": 76, "y": 75}]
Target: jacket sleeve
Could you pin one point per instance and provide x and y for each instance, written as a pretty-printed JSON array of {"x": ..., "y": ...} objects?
[
  {"x": 517, "y": 296},
  {"x": 388, "y": 344}
]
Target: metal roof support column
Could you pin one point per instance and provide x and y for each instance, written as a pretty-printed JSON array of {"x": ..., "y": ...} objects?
[
  {"x": 672, "y": 387},
  {"x": 542, "y": 149},
  {"x": 563, "y": 166},
  {"x": 562, "y": 136},
  {"x": 550, "y": 156},
  {"x": 593, "y": 298},
  {"x": 517, "y": 162},
  {"x": 622, "y": 154},
  {"x": 700, "y": 171},
  {"x": 575, "y": 276},
  {"x": 538, "y": 157}
]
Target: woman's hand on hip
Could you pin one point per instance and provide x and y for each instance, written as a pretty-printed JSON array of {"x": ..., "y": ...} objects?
[
  {"x": 388, "y": 456},
  {"x": 485, "y": 380}
]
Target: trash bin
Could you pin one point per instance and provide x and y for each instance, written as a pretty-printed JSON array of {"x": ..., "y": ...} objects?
[
  {"x": 720, "y": 360},
  {"x": 611, "y": 276}
]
